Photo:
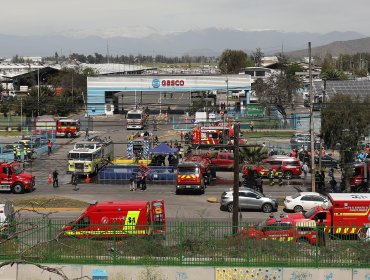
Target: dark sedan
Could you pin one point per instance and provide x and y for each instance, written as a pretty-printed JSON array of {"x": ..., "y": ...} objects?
[{"x": 327, "y": 161}]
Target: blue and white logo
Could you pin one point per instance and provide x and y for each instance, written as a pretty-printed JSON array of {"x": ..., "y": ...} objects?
[{"x": 156, "y": 83}]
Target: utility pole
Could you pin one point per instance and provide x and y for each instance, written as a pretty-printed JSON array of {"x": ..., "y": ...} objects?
[
  {"x": 236, "y": 178},
  {"x": 312, "y": 131}
]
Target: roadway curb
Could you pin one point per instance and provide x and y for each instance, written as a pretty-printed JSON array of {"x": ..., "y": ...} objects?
[{"x": 64, "y": 209}]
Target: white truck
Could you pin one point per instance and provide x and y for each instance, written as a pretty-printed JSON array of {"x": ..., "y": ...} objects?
[{"x": 136, "y": 119}]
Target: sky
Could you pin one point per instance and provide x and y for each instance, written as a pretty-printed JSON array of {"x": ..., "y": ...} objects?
[{"x": 110, "y": 18}]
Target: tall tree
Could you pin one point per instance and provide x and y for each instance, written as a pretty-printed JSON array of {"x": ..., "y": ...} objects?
[
  {"x": 232, "y": 61},
  {"x": 344, "y": 120},
  {"x": 278, "y": 91},
  {"x": 257, "y": 56}
]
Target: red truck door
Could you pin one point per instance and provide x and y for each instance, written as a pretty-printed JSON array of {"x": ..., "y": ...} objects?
[
  {"x": 5, "y": 178},
  {"x": 279, "y": 231},
  {"x": 158, "y": 217}
]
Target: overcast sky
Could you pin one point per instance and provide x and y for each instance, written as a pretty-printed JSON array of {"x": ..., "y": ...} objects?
[{"x": 138, "y": 18}]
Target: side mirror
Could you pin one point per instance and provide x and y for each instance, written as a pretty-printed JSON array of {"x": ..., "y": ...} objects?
[{"x": 258, "y": 197}]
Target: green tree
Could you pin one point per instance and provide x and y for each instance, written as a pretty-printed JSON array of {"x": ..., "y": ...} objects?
[
  {"x": 232, "y": 61},
  {"x": 252, "y": 155},
  {"x": 344, "y": 120},
  {"x": 278, "y": 91}
]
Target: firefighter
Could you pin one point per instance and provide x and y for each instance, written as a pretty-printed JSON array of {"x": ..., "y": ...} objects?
[
  {"x": 55, "y": 179},
  {"x": 50, "y": 146},
  {"x": 18, "y": 153},
  {"x": 270, "y": 175},
  {"x": 279, "y": 174},
  {"x": 74, "y": 181},
  {"x": 321, "y": 233},
  {"x": 132, "y": 182},
  {"x": 15, "y": 152}
]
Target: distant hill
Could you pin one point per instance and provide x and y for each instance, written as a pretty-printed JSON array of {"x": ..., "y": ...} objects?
[
  {"x": 207, "y": 42},
  {"x": 336, "y": 48}
]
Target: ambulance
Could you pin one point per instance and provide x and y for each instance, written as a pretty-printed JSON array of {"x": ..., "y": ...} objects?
[
  {"x": 119, "y": 218},
  {"x": 347, "y": 218}
]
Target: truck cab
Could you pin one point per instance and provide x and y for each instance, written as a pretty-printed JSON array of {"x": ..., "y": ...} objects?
[
  {"x": 361, "y": 177},
  {"x": 136, "y": 119},
  {"x": 282, "y": 229},
  {"x": 190, "y": 177},
  {"x": 13, "y": 178}
]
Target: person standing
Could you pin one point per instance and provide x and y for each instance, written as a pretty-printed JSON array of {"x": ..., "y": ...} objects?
[
  {"x": 270, "y": 175},
  {"x": 321, "y": 233},
  {"x": 139, "y": 177},
  {"x": 132, "y": 182},
  {"x": 305, "y": 171},
  {"x": 259, "y": 184},
  {"x": 55, "y": 179},
  {"x": 74, "y": 180},
  {"x": 87, "y": 133},
  {"x": 50, "y": 146}
]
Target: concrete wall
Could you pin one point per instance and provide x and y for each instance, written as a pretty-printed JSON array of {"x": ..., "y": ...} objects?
[{"x": 29, "y": 272}]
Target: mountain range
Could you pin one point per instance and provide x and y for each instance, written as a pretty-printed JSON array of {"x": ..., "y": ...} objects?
[{"x": 207, "y": 42}]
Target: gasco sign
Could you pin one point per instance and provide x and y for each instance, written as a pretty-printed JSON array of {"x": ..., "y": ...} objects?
[{"x": 156, "y": 83}]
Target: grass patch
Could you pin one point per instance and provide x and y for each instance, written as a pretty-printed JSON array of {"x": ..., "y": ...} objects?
[
  {"x": 12, "y": 133},
  {"x": 49, "y": 202},
  {"x": 276, "y": 133}
]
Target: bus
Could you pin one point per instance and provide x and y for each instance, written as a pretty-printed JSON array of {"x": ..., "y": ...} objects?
[{"x": 87, "y": 157}]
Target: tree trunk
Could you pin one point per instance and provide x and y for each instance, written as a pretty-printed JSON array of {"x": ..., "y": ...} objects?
[{"x": 347, "y": 161}]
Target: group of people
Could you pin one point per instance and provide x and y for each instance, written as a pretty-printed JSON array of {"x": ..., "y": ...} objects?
[
  {"x": 20, "y": 149},
  {"x": 138, "y": 180}
]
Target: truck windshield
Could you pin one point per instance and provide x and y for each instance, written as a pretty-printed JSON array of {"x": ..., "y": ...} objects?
[
  {"x": 188, "y": 170},
  {"x": 134, "y": 116},
  {"x": 17, "y": 169},
  {"x": 79, "y": 156},
  {"x": 309, "y": 213}
]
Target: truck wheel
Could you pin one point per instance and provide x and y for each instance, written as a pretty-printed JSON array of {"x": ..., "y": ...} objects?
[
  {"x": 288, "y": 175},
  {"x": 177, "y": 192},
  {"x": 230, "y": 207},
  {"x": 267, "y": 208},
  {"x": 362, "y": 234},
  {"x": 18, "y": 188},
  {"x": 298, "y": 209},
  {"x": 69, "y": 135}
]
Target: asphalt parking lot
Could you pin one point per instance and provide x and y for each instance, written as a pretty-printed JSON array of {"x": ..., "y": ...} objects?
[{"x": 188, "y": 206}]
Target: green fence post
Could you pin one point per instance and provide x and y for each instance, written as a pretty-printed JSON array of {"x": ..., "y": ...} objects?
[
  {"x": 181, "y": 233},
  {"x": 114, "y": 244},
  {"x": 248, "y": 249},
  {"x": 49, "y": 240}
]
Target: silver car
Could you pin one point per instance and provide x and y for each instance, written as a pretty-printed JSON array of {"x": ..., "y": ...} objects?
[{"x": 248, "y": 199}]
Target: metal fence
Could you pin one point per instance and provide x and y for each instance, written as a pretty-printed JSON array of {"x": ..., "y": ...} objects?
[{"x": 208, "y": 243}]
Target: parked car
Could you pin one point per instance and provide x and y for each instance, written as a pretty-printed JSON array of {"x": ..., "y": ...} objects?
[
  {"x": 304, "y": 201},
  {"x": 303, "y": 139},
  {"x": 223, "y": 160},
  {"x": 248, "y": 199},
  {"x": 327, "y": 161},
  {"x": 291, "y": 166}
]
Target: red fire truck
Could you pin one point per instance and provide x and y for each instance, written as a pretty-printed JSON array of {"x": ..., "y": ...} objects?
[
  {"x": 361, "y": 177},
  {"x": 13, "y": 178},
  {"x": 119, "y": 218},
  {"x": 348, "y": 215},
  {"x": 194, "y": 173},
  {"x": 212, "y": 135},
  {"x": 60, "y": 127},
  {"x": 282, "y": 229}
]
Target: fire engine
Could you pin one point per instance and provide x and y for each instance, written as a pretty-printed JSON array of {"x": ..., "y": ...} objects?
[
  {"x": 194, "y": 173},
  {"x": 211, "y": 135},
  {"x": 119, "y": 218},
  {"x": 361, "y": 177},
  {"x": 348, "y": 215},
  {"x": 282, "y": 229},
  {"x": 60, "y": 127},
  {"x": 13, "y": 178},
  {"x": 136, "y": 119}
]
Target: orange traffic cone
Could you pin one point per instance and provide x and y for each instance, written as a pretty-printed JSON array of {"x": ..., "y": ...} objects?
[
  {"x": 87, "y": 179},
  {"x": 49, "y": 179}
]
